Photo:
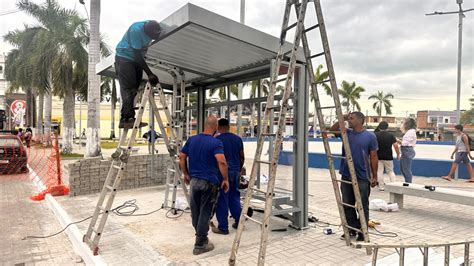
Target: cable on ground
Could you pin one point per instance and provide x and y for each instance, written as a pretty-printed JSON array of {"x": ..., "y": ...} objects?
[{"x": 128, "y": 208}]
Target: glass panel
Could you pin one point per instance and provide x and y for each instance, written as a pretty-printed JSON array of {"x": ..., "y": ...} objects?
[
  {"x": 216, "y": 95},
  {"x": 191, "y": 99}
]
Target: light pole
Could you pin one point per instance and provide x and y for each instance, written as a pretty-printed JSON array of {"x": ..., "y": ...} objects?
[{"x": 460, "y": 12}]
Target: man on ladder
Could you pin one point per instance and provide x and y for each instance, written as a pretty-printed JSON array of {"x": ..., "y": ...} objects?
[
  {"x": 364, "y": 148},
  {"x": 206, "y": 160},
  {"x": 130, "y": 64}
]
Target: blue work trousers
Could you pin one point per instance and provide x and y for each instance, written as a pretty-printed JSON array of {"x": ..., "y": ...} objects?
[{"x": 229, "y": 201}]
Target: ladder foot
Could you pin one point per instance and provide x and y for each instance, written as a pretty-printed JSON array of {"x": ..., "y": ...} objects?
[
  {"x": 95, "y": 251},
  {"x": 124, "y": 157},
  {"x": 116, "y": 154}
]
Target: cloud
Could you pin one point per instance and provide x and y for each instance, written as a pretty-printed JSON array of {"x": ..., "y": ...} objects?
[{"x": 379, "y": 44}]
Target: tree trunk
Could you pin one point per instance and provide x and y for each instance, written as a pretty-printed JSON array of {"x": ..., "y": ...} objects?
[
  {"x": 252, "y": 116},
  {"x": 48, "y": 107},
  {"x": 38, "y": 131},
  {"x": 68, "y": 121},
  {"x": 93, "y": 93},
  {"x": 29, "y": 107},
  {"x": 113, "y": 100}
]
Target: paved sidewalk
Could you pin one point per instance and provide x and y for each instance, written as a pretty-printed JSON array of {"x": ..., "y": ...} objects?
[{"x": 20, "y": 217}]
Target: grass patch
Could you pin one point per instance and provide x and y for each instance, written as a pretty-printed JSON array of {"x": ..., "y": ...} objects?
[
  {"x": 114, "y": 144},
  {"x": 72, "y": 155}
]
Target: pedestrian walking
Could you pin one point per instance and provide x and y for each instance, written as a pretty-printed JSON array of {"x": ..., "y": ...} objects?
[
  {"x": 201, "y": 160},
  {"x": 461, "y": 154},
  {"x": 364, "y": 148},
  {"x": 229, "y": 201},
  {"x": 386, "y": 141},
  {"x": 408, "y": 143}
]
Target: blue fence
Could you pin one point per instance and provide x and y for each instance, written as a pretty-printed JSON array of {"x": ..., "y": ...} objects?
[{"x": 420, "y": 167}]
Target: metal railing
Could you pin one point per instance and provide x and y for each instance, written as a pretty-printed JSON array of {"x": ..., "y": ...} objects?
[{"x": 423, "y": 247}]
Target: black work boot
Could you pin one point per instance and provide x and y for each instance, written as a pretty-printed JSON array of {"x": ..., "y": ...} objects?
[
  {"x": 128, "y": 123},
  {"x": 202, "y": 245}
]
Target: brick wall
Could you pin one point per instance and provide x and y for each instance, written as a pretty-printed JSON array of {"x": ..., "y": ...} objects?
[{"x": 87, "y": 176}]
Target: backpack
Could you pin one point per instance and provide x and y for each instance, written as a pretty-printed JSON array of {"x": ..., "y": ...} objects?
[{"x": 471, "y": 144}]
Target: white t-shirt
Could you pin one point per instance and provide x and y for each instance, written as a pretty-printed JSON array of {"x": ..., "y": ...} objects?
[{"x": 409, "y": 139}]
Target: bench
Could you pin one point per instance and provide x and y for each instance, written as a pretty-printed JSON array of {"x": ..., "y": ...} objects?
[{"x": 397, "y": 191}]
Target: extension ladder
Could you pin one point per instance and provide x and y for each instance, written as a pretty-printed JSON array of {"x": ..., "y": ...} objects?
[
  {"x": 120, "y": 157},
  {"x": 300, "y": 35}
]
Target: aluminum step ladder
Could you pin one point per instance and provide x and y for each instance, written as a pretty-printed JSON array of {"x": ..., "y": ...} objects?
[
  {"x": 120, "y": 160},
  {"x": 300, "y": 7}
]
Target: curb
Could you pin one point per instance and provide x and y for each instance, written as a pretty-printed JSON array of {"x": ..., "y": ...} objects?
[{"x": 72, "y": 231}]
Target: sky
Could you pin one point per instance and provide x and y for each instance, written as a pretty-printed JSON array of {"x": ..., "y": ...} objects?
[{"x": 380, "y": 44}]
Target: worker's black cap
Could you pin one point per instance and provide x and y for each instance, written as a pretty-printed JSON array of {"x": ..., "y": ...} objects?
[{"x": 223, "y": 122}]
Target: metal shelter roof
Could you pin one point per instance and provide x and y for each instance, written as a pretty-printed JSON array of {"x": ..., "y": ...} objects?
[{"x": 209, "y": 48}]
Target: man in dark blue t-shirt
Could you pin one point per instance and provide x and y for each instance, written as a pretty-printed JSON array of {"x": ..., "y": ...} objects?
[
  {"x": 234, "y": 155},
  {"x": 364, "y": 148},
  {"x": 130, "y": 64},
  {"x": 206, "y": 160}
]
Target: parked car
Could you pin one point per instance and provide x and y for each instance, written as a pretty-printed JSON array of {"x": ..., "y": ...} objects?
[{"x": 13, "y": 155}]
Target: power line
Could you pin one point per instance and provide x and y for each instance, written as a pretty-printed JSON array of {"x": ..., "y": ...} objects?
[{"x": 9, "y": 12}]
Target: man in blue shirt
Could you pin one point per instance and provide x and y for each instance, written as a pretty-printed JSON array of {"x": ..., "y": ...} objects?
[
  {"x": 201, "y": 170},
  {"x": 130, "y": 64},
  {"x": 234, "y": 155},
  {"x": 364, "y": 148}
]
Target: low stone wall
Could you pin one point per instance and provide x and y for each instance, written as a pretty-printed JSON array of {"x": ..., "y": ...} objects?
[{"x": 87, "y": 176}]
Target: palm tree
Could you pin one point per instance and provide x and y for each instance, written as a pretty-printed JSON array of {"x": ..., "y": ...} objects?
[
  {"x": 93, "y": 95},
  {"x": 350, "y": 93},
  {"x": 61, "y": 46},
  {"x": 382, "y": 101}
]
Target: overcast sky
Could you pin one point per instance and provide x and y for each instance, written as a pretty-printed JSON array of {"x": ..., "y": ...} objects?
[{"x": 380, "y": 44}]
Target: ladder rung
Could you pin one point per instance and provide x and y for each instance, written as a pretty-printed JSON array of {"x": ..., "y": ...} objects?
[
  {"x": 279, "y": 80},
  {"x": 269, "y": 134},
  {"x": 344, "y": 181},
  {"x": 162, "y": 108},
  {"x": 258, "y": 190},
  {"x": 265, "y": 162},
  {"x": 331, "y": 131},
  {"x": 125, "y": 147},
  {"x": 353, "y": 228},
  {"x": 348, "y": 205},
  {"x": 337, "y": 156},
  {"x": 316, "y": 55},
  {"x": 253, "y": 220},
  {"x": 326, "y": 107},
  {"x": 274, "y": 107},
  {"x": 311, "y": 28},
  {"x": 117, "y": 167},
  {"x": 171, "y": 170},
  {"x": 291, "y": 26},
  {"x": 321, "y": 82},
  {"x": 109, "y": 188}
]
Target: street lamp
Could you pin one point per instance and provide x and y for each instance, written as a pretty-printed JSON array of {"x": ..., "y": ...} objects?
[{"x": 460, "y": 12}]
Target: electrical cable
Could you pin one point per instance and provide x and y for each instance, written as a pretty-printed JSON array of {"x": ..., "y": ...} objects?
[
  {"x": 322, "y": 224},
  {"x": 128, "y": 208}
]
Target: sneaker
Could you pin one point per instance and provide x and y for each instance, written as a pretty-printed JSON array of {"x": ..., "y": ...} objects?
[
  {"x": 128, "y": 123},
  {"x": 381, "y": 189},
  {"x": 352, "y": 234},
  {"x": 218, "y": 231},
  {"x": 203, "y": 249},
  {"x": 235, "y": 225},
  {"x": 360, "y": 237}
]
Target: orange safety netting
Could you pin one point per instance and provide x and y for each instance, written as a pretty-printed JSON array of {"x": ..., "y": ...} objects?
[{"x": 44, "y": 161}]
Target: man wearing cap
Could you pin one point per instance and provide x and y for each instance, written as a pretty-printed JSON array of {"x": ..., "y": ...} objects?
[
  {"x": 130, "y": 64},
  {"x": 234, "y": 155}
]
